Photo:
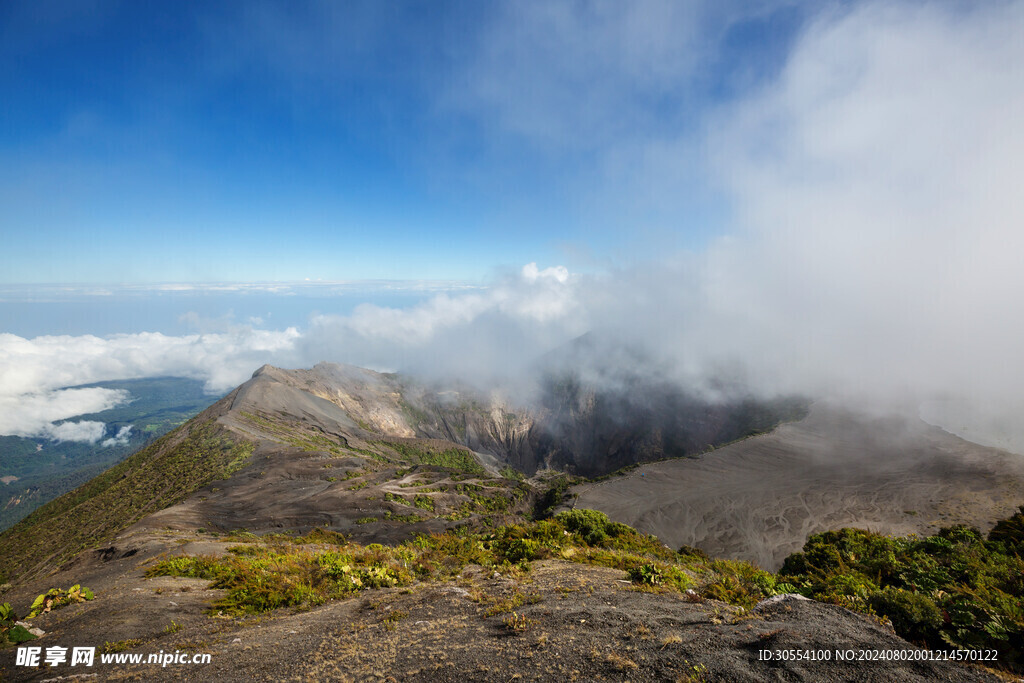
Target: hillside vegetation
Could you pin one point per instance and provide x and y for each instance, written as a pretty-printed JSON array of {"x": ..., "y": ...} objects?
[
  {"x": 955, "y": 589},
  {"x": 37, "y": 470},
  {"x": 160, "y": 475}
]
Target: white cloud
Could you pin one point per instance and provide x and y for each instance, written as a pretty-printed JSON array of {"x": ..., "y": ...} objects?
[
  {"x": 89, "y": 431},
  {"x": 877, "y": 222},
  {"x": 476, "y": 335},
  {"x": 35, "y": 370},
  {"x": 877, "y": 225},
  {"x": 877, "y": 188},
  {"x": 121, "y": 439},
  {"x": 877, "y": 228},
  {"x": 32, "y": 412}
]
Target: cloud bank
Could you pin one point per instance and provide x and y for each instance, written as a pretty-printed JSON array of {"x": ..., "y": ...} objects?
[
  {"x": 34, "y": 372},
  {"x": 31, "y": 411},
  {"x": 878, "y": 206}
]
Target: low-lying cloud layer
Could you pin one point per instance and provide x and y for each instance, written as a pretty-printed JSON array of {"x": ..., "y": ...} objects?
[
  {"x": 26, "y": 410},
  {"x": 874, "y": 252},
  {"x": 34, "y": 371}
]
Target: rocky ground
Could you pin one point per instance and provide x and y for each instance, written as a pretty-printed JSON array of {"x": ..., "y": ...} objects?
[{"x": 559, "y": 621}]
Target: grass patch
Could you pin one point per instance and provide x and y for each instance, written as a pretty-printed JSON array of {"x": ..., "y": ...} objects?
[
  {"x": 408, "y": 519},
  {"x": 120, "y": 645},
  {"x": 451, "y": 458}
]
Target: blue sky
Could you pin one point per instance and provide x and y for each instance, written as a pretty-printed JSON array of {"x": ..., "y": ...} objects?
[
  {"x": 810, "y": 197},
  {"x": 225, "y": 141}
]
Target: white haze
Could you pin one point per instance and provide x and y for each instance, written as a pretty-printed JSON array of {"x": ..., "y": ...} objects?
[{"x": 874, "y": 254}]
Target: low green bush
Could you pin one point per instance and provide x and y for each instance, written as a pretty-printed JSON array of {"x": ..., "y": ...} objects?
[
  {"x": 55, "y": 598},
  {"x": 913, "y": 615},
  {"x": 646, "y": 573}
]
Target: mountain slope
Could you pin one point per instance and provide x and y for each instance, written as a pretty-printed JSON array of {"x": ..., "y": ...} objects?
[
  {"x": 160, "y": 475},
  {"x": 273, "y": 455},
  {"x": 37, "y": 470},
  {"x": 375, "y": 456}
]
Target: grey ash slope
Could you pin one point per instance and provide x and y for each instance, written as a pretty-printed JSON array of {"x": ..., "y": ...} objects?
[
  {"x": 338, "y": 447},
  {"x": 759, "y": 499}
]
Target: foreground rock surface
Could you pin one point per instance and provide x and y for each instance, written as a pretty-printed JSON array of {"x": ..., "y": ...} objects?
[{"x": 575, "y": 622}]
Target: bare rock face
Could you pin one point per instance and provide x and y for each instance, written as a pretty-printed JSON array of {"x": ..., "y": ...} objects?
[{"x": 585, "y": 427}]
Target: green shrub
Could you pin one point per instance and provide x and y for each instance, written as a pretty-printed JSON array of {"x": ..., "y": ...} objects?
[
  {"x": 454, "y": 458},
  {"x": 196, "y": 566},
  {"x": 516, "y": 550},
  {"x": 1010, "y": 532},
  {"x": 646, "y": 573},
  {"x": 951, "y": 589},
  {"x": 277, "y": 572},
  {"x": 739, "y": 583},
  {"x": 591, "y": 525},
  {"x": 914, "y": 616},
  {"x": 10, "y": 632}
]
